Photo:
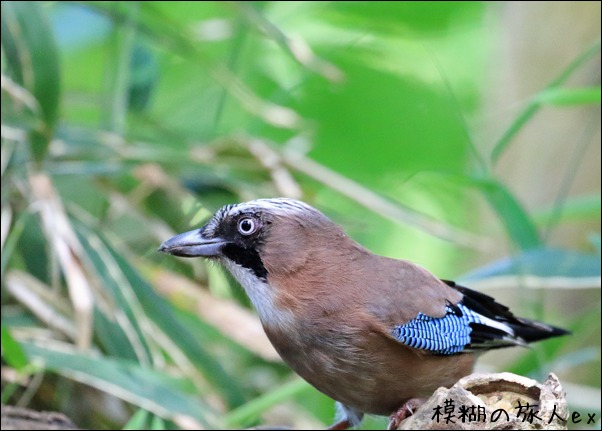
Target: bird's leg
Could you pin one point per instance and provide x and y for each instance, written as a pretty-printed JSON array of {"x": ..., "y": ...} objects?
[
  {"x": 347, "y": 417},
  {"x": 343, "y": 424},
  {"x": 405, "y": 411}
]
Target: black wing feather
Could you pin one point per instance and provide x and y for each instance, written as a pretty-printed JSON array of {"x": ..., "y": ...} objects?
[{"x": 488, "y": 337}]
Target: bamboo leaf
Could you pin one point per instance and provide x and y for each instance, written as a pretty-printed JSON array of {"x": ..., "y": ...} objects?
[
  {"x": 541, "y": 268},
  {"x": 153, "y": 23},
  {"x": 517, "y": 223},
  {"x": 534, "y": 105},
  {"x": 12, "y": 351},
  {"x": 251, "y": 411},
  {"x": 570, "y": 96},
  {"x": 146, "y": 388},
  {"x": 138, "y": 421},
  {"x": 577, "y": 208},
  {"x": 32, "y": 61},
  {"x": 161, "y": 314}
]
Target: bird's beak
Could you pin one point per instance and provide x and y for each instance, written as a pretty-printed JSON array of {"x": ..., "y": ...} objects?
[{"x": 193, "y": 244}]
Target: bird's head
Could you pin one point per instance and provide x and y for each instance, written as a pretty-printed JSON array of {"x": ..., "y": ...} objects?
[{"x": 260, "y": 238}]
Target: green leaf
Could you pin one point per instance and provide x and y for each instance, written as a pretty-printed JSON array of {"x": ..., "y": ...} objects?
[
  {"x": 13, "y": 238},
  {"x": 157, "y": 423},
  {"x": 251, "y": 411},
  {"x": 412, "y": 19},
  {"x": 11, "y": 350},
  {"x": 155, "y": 24},
  {"x": 576, "y": 208},
  {"x": 569, "y": 96},
  {"x": 115, "y": 338},
  {"x": 32, "y": 61},
  {"x": 149, "y": 389},
  {"x": 122, "y": 45},
  {"x": 138, "y": 421},
  {"x": 144, "y": 77},
  {"x": 517, "y": 223},
  {"x": 534, "y": 105},
  {"x": 542, "y": 263},
  {"x": 159, "y": 311},
  {"x": 124, "y": 339},
  {"x": 594, "y": 239},
  {"x": 144, "y": 420}
]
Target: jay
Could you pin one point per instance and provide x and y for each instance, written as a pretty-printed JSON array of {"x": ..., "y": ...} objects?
[{"x": 376, "y": 334}]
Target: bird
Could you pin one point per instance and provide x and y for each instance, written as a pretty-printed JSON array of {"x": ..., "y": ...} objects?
[{"x": 376, "y": 334}]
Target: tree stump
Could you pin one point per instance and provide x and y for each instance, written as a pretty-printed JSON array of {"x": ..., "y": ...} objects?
[{"x": 494, "y": 402}]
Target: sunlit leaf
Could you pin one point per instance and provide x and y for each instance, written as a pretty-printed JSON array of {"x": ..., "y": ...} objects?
[
  {"x": 12, "y": 351},
  {"x": 138, "y": 421},
  {"x": 570, "y": 96}
]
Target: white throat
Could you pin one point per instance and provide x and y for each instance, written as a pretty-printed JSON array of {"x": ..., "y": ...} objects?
[{"x": 261, "y": 295}]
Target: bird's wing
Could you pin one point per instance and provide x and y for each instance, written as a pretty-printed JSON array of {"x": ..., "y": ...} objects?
[
  {"x": 522, "y": 330},
  {"x": 476, "y": 322}
]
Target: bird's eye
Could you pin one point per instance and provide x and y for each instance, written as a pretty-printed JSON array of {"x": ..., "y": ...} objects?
[{"x": 247, "y": 226}]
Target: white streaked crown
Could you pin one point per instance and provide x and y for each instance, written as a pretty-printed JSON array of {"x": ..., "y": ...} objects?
[
  {"x": 282, "y": 206},
  {"x": 276, "y": 206}
]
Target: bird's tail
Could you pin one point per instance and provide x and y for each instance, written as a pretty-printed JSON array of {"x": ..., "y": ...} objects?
[
  {"x": 499, "y": 327},
  {"x": 532, "y": 330}
]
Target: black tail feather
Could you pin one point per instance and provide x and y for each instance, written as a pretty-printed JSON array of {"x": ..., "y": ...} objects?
[
  {"x": 532, "y": 330},
  {"x": 487, "y": 337}
]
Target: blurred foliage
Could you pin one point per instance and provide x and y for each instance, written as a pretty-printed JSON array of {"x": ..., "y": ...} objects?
[{"x": 124, "y": 123}]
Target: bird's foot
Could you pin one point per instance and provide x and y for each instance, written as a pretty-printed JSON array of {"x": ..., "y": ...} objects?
[{"x": 405, "y": 411}]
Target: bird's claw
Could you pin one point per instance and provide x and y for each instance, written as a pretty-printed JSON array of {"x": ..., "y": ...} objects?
[{"x": 404, "y": 412}]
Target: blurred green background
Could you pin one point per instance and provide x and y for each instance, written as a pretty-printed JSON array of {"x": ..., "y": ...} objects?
[{"x": 464, "y": 136}]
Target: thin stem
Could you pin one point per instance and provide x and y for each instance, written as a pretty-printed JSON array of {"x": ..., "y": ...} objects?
[
  {"x": 123, "y": 44},
  {"x": 534, "y": 104}
]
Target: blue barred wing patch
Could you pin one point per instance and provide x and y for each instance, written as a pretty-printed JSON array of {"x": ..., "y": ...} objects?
[{"x": 442, "y": 335}]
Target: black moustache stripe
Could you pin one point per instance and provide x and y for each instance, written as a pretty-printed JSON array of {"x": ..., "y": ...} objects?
[{"x": 247, "y": 258}]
